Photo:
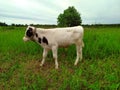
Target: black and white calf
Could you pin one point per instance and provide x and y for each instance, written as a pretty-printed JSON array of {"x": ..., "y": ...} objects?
[{"x": 51, "y": 39}]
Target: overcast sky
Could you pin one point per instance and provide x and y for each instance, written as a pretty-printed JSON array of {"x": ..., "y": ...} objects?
[{"x": 47, "y": 11}]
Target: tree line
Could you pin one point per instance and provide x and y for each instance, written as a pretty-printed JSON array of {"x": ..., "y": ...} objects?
[
  {"x": 3, "y": 24},
  {"x": 51, "y": 26},
  {"x": 25, "y": 25}
]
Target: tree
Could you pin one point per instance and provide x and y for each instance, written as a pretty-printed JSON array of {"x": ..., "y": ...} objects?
[{"x": 70, "y": 17}]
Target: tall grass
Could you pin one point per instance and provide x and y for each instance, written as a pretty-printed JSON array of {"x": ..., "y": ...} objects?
[
  {"x": 11, "y": 40},
  {"x": 102, "y": 42},
  {"x": 19, "y": 62}
]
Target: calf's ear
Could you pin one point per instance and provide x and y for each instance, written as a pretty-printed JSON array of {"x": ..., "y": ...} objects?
[{"x": 34, "y": 30}]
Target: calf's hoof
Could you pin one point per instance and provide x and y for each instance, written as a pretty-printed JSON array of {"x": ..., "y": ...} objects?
[
  {"x": 41, "y": 64},
  {"x": 56, "y": 67},
  {"x": 75, "y": 64}
]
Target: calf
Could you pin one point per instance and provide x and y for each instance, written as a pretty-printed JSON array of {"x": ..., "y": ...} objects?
[{"x": 51, "y": 39}]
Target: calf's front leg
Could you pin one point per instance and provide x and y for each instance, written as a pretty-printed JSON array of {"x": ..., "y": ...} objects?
[
  {"x": 45, "y": 52},
  {"x": 54, "y": 51}
]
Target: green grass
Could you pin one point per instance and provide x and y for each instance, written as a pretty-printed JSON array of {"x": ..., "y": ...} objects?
[{"x": 100, "y": 68}]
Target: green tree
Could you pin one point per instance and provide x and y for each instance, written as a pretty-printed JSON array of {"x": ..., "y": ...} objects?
[{"x": 70, "y": 17}]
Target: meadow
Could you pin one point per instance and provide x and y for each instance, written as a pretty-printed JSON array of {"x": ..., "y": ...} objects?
[{"x": 99, "y": 69}]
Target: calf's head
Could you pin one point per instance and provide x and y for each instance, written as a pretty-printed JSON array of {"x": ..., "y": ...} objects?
[{"x": 29, "y": 33}]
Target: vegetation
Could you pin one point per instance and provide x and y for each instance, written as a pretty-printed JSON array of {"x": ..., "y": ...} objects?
[
  {"x": 70, "y": 17},
  {"x": 100, "y": 68}
]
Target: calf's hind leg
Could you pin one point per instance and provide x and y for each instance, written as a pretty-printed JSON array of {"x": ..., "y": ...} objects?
[{"x": 79, "y": 54}]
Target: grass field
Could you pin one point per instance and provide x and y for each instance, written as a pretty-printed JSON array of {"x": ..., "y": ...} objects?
[{"x": 99, "y": 70}]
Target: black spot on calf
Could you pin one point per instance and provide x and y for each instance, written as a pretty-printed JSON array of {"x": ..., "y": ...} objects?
[
  {"x": 36, "y": 34},
  {"x": 39, "y": 40},
  {"x": 29, "y": 32},
  {"x": 44, "y": 40}
]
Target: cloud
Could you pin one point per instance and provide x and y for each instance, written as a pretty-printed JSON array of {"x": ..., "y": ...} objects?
[
  {"x": 47, "y": 11},
  {"x": 100, "y": 11}
]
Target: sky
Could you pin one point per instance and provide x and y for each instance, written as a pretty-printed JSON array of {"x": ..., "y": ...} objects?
[{"x": 47, "y": 11}]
